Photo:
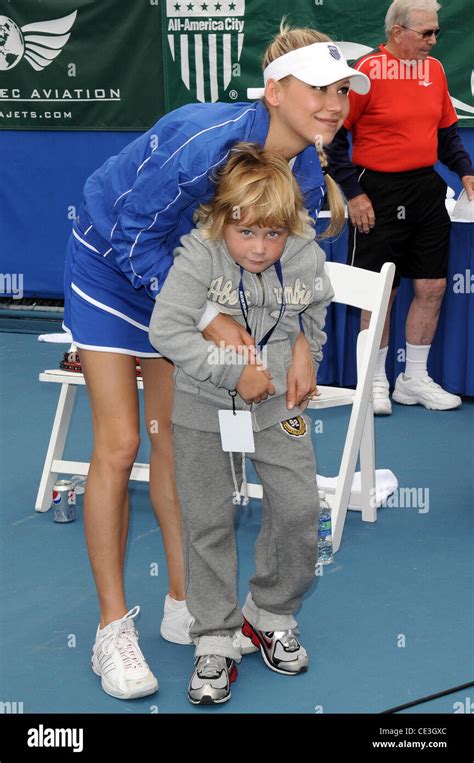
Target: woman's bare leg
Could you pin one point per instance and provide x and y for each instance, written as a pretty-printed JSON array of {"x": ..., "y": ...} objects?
[
  {"x": 158, "y": 386},
  {"x": 112, "y": 388}
]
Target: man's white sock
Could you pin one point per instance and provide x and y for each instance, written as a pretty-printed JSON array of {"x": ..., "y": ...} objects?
[
  {"x": 416, "y": 360},
  {"x": 380, "y": 362}
]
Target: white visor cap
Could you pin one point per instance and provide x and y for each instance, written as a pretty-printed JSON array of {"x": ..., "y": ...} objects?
[{"x": 321, "y": 63}]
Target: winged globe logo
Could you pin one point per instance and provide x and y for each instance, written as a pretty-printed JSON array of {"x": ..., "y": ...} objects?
[
  {"x": 39, "y": 43},
  {"x": 205, "y": 42}
]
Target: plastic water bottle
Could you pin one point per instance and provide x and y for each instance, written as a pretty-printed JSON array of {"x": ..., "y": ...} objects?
[{"x": 325, "y": 552}]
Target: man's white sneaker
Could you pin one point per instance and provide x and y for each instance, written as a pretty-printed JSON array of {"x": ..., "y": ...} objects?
[
  {"x": 119, "y": 661},
  {"x": 380, "y": 396},
  {"x": 177, "y": 622},
  {"x": 411, "y": 391}
]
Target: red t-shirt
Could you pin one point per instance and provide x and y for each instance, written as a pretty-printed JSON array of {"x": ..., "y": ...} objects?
[{"x": 395, "y": 126}]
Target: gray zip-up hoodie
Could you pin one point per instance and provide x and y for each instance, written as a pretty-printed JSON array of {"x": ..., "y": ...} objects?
[{"x": 204, "y": 270}]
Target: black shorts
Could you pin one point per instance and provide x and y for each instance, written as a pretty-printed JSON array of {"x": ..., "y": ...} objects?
[{"x": 412, "y": 224}]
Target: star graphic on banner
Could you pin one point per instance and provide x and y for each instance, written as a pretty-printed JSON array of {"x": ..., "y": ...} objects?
[
  {"x": 190, "y": 6},
  {"x": 218, "y": 6},
  {"x": 204, "y": 6},
  {"x": 231, "y": 6},
  {"x": 177, "y": 7}
]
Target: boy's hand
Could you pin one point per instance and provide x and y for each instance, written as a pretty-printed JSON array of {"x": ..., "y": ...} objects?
[
  {"x": 255, "y": 384},
  {"x": 304, "y": 404},
  {"x": 300, "y": 379}
]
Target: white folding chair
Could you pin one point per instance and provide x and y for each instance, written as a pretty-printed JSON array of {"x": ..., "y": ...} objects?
[
  {"x": 369, "y": 291},
  {"x": 352, "y": 286},
  {"x": 54, "y": 463}
]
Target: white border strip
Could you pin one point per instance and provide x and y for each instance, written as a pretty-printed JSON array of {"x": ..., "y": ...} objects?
[
  {"x": 108, "y": 309},
  {"x": 89, "y": 246},
  {"x": 120, "y": 350}
]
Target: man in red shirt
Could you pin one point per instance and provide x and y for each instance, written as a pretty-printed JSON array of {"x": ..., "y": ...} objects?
[{"x": 395, "y": 198}]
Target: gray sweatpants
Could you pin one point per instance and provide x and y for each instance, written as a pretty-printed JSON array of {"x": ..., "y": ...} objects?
[{"x": 287, "y": 546}]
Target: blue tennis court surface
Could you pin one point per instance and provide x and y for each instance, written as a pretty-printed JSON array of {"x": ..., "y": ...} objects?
[{"x": 388, "y": 622}]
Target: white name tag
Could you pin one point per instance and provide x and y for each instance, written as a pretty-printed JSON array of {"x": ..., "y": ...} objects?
[{"x": 236, "y": 431}]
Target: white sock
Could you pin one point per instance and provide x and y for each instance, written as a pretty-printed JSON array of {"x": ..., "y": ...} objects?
[
  {"x": 380, "y": 362},
  {"x": 416, "y": 361},
  {"x": 175, "y": 604}
]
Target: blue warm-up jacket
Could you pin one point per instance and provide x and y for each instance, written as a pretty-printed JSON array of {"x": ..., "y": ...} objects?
[{"x": 142, "y": 201}]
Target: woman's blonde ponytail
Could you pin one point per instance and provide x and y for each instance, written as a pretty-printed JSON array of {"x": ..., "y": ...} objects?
[{"x": 335, "y": 199}]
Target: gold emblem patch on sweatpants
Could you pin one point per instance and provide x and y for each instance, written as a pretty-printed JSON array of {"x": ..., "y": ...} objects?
[{"x": 295, "y": 427}]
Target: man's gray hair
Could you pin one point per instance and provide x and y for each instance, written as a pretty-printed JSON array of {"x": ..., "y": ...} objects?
[{"x": 399, "y": 11}]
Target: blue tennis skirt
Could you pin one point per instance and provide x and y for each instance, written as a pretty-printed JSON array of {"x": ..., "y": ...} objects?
[{"x": 102, "y": 310}]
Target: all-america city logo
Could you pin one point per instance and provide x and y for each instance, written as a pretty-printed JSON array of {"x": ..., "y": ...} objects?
[{"x": 205, "y": 41}]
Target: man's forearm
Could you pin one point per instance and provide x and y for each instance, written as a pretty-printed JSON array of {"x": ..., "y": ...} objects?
[
  {"x": 341, "y": 169},
  {"x": 452, "y": 152}
]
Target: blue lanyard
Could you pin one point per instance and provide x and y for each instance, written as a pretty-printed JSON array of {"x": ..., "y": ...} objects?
[{"x": 245, "y": 308}]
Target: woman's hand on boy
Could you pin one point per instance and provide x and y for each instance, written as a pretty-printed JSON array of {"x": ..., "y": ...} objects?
[
  {"x": 255, "y": 384},
  {"x": 224, "y": 329},
  {"x": 255, "y": 381}
]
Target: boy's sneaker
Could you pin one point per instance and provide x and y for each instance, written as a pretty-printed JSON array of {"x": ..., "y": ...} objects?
[
  {"x": 281, "y": 650},
  {"x": 411, "y": 391},
  {"x": 177, "y": 622},
  {"x": 211, "y": 680},
  {"x": 118, "y": 660},
  {"x": 381, "y": 396}
]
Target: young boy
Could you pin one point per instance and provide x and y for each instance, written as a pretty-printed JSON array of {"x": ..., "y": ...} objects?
[{"x": 253, "y": 254}]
